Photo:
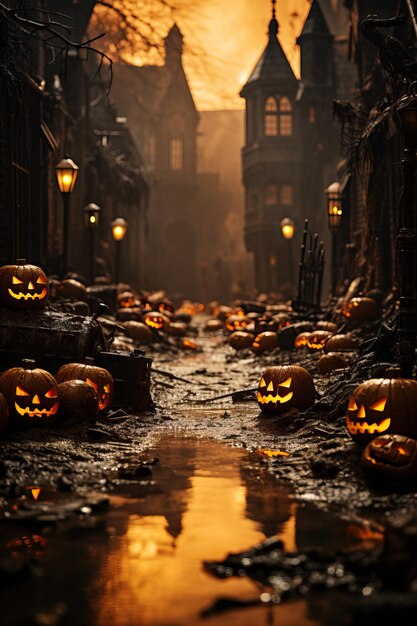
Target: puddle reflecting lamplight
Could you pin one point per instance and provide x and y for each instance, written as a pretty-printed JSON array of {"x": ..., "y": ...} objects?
[
  {"x": 118, "y": 231},
  {"x": 334, "y": 220},
  {"x": 66, "y": 175},
  {"x": 92, "y": 219}
]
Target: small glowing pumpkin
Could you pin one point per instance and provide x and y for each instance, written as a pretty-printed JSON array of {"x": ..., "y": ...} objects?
[
  {"x": 264, "y": 342},
  {"x": 361, "y": 309},
  {"x": 31, "y": 394},
  {"x": 23, "y": 286},
  {"x": 284, "y": 387},
  {"x": 236, "y": 322},
  {"x": 394, "y": 455},
  {"x": 155, "y": 320},
  {"x": 98, "y": 377},
  {"x": 380, "y": 406},
  {"x": 126, "y": 300}
]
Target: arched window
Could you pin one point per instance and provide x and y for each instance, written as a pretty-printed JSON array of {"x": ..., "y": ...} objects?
[
  {"x": 287, "y": 195},
  {"x": 285, "y": 117},
  {"x": 271, "y": 117},
  {"x": 176, "y": 149},
  {"x": 271, "y": 194}
]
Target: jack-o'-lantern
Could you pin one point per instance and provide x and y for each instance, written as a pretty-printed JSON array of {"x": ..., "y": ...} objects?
[
  {"x": 236, "y": 322},
  {"x": 77, "y": 398},
  {"x": 241, "y": 340},
  {"x": 301, "y": 341},
  {"x": 264, "y": 342},
  {"x": 330, "y": 362},
  {"x": 23, "y": 286},
  {"x": 98, "y": 377},
  {"x": 361, "y": 309},
  {"x": 31, "y": 394},
  {"x": 342, "y": 342},
  {"x": 166, "y": 305},
  {"x": 283, "y": 320},
  {"x": 382, "y": 405},
  {"x": 288, "y": 335},
  {"x": 317, "y": 339},
  {"x": 155, "y": 320},
  {"x": 394, "y": 455},
  {"x": 284, "y": 387},
  {"x": 126, "y": 300}
]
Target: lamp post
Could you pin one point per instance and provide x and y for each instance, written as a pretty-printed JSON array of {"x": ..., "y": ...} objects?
[
  {"x": 334, "y": 220},
  {"x": 406, "y": 242},
  {"x": 66, "y": 175},
  {"x": 287, "y": 226},
  {"x": 118, "y": 231},
  {"x": 91, "y": 219}
]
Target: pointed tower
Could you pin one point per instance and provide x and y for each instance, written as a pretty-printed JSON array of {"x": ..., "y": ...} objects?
[
  {"x": 173, "y": 47},
  {"x": 316, "y": 46},
  {"x": 271, "y": 160}
]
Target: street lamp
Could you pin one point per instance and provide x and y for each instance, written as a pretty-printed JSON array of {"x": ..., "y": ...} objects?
[
  {"x": 334, "y": 220},
  {"x": 66, "y": 175},
  {"x": 91, "y": 219},
  {"x": 287, "y": 226},
  {"x": 118, "y": 231}
]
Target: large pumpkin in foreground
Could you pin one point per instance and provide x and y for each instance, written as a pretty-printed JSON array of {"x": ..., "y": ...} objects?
[
  {"x": 98, "y": 377},
  {"x": 284, "y": 387},
  {"x": 382, "y": 405},
  {"x": 31, "y": 394},
  {"x": 23, "y": 286}
]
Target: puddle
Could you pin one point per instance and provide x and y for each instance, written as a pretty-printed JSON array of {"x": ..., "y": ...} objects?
[{"x": 146, "y": 568}]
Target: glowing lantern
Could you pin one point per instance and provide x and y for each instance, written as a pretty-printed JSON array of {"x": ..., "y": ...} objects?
[
  {"x": 66, "y": 175},
  {"x": 287, "y": 228},
  {"x": 334, "y": 206}
]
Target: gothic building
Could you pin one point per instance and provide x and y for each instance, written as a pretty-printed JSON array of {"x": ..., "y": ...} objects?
[{"x": 290, "y": 149}]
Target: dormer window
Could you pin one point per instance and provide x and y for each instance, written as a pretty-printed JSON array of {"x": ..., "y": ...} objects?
[{"x": 278, "y": 117}]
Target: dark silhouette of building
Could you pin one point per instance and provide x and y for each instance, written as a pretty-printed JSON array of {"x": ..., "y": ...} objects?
[{"x": 291, "y": 145}]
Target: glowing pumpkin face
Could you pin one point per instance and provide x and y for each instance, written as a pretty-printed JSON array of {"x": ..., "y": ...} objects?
[
  {"x": 391, "y": 454},
  {"x": 126, "y": 300},
  {"x": 382, "y": 405},
  {"x": 23, "y": 286},
  {"x": 98, "y": 378},
  {"x": 317, "y": 340},
  {"x": 284, "y": 387},
  {"x": 301, "y": 341},
  {"x": 155, "y": 320},
  {"x": 31, "y": 394},
  {"x": 361, "y": 309},
  {"x": 236, "y": 322}
]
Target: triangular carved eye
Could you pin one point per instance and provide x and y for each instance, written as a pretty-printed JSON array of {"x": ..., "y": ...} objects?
[
  {"x": 379, "y": 405},
  {"x": 286, "y": 383},
  {"x": 352, "y": 406},
  {"x": 92, "y": 383},
  {"x": 107, "y": 388},
  {"x": 51, "y": 393},
  {"x": 262, "y": 383},
  {"x": 16, "y": 281},
  {"x": 42, "y": 280},
  {"x": 270, "y": 386},
  {"x": 20, "y": 391}
]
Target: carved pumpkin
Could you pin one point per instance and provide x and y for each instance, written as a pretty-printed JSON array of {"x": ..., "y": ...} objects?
[
  {"x": 23, "y": 286},
  {"x": 382, "y": 405},
  {"x": 288, "y": 335},
  {"x": 317, "y": 339},
  {"x": 330, "y": 362},
  {"x": 301, "y": 341},
  {"x": 236, "y": 322},
  {"x": 99, "y": 378},
  {"x": 126, "y": 300},
  {"x": 394, "y": 455},
  {"x": 138, "y": 331},
  {"x": 166, "y": 305},
  {"x": 361, "y": 309},
  {"x": 4, "y": 414},
  {"x": 284, "y": 387},
  {"x": 283, "y": 320},
  {"x": 241, "y": 340},
  {"x": 264, "y": 342},
  {"x": 342, "y": 342},
  {"x": 31, "y": 394},
  {"x": 77, "y": 398},
  {"x": 155, "y": 320}
]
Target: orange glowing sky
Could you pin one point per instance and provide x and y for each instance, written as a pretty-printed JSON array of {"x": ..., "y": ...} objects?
[{"x": 233, "y": 34}]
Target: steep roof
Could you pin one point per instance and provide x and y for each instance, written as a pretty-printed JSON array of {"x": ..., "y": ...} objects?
[
  {"x": 273, "y": 66},
  {"x": 315, "y": 23}
]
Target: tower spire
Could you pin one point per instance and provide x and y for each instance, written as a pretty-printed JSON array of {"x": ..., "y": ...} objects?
[{"x": 273, "y": 24}]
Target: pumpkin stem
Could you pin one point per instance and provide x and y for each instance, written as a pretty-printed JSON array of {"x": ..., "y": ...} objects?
[
  {"x": 21, "y": 262},
  {"x": 29, "y": 364},
  {"x": 393, "y": 372},
  {"x": 89, "y": 360}
]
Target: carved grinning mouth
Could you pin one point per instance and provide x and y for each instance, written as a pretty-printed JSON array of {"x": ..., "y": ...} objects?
[
  {"x": 38, "y": 412},
  {"x": 28, "y": 296},
  {"x": 270, "y": 398},
  {"x": 367, "y": 429}
]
